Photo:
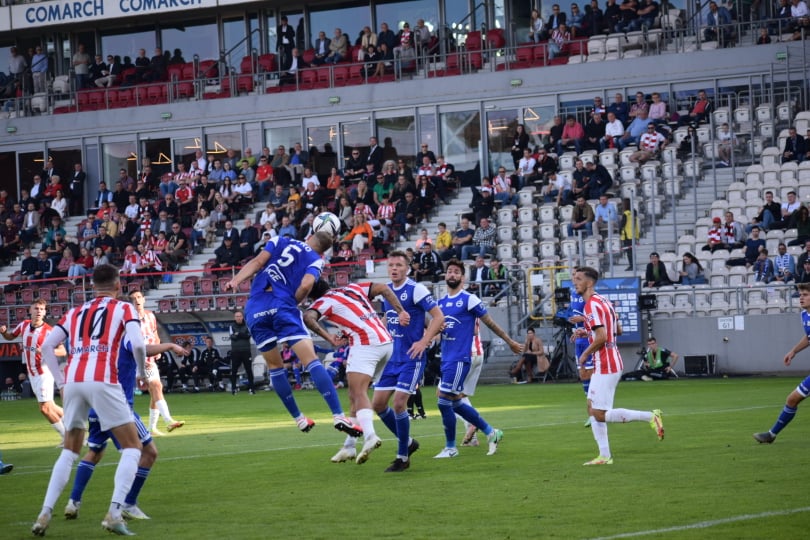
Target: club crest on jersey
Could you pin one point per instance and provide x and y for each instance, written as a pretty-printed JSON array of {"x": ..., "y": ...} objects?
[
  {"x": 459, "y": 303},
  {"x": 403, "y": 296}
]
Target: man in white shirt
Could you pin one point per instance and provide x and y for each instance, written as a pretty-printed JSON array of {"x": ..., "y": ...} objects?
[
  {"x": 558, "y": 189},
  {"x": 614, "y": 129},
  {"x": 525, "y": 167}
]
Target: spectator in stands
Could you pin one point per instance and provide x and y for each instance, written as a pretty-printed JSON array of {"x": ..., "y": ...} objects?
[
  {"x": 559, "y": 38},
  {"x": 227, "y": 256},
  {"x": 337, "y": 48},
  {"x": 355, "y": 167},
  {"x": 581, "y": 181},
  {"x": 132, "y": 260},
  {"x": 806, "y": 156},
  {"x": 545, "y": 165},
  {"x": 639, "y": 105},
  {"x": 628, "y": 11},
  {"x": 700, "y": 111},
  {"x": 556, "y": 19},
  {"x": 423, "y": 239},
  {"x": 635, "y": 130},
  {"x": 554, "y": 134},
  {"x": 801, "y": 221},
  {"x": 733, "y": 235},
  {"x": 691, "y": 272},
  {"x": 360, "y": 235},
  {"x": 484, "y": 204},
  {"x": 386, "y": 36},
  {"x": 605, "y": 217},
  {"x": 601, "y": 181},
  {"x": 81, "y": 67},
  {"x": 405, "y": 43},
  {"x": 496, "y": 274},
  {"x": 594, "y": 133},
  {"x": 525, "y": 168},
  {"x": 176, "y": 248},
  {"x": 572, "y": 136},
  {"x": 794, "y": 148},
  {"x": 483, "y": 241},
  {"x": 285, "y": 35},
  {"x": 650, "y": 145},
  {"x": 536, "y": 33},
  {"x": 502, "y": 187},
  {"x": 658, "y": 114},
  {"x": 718, "y": 24},
  {"x": 784, "y": 265},
  {"x": 421, "y": 36},
  {"x": 582, "y": 218},
  {"x": 110, "y": 73},
  {"x": 321, "y": 49},
  {"x": 430, "y": 264},
  {"x": 479, "y": 272},
  {"x": 157, "y": 67},
  {"x": 248, "y": 237},
  {"x": 461, "y": 237},
  {"x": 788, "y": 212},
  {"x": 714, "y": 237},
  {"x": 753, "y": 246},
  {"x": 558, "y": 190},
  {"x": 647, "y": 12},
  {"x": 520, "y": 142},
  {"x": 726, "y": 142},
  {"x": 763, "y": 268},
  {"x": 614, "y": 130},
  {"x": 656, "y": 273},
  {"x": 594, "y": 21},
  {"x": 45, "y": 266},
  {"x": 575, "y": 21},
  {"x": 629, "y": 230},
  {"x": 200, "y": 230},
  {"x": 620, "y": 109},
  {"x": 28, "y": 265}
]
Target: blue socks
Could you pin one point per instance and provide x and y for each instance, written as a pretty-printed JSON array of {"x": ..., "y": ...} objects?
[
  {"x": 297, "y": 375},
  {"x": 471, "y": 415},
  {"x": 585, "y": 386},
  {"x": 784, "y": 419},
  {"x": 278, "y": 378},
  {"x": 403, "y": 424},
  {"x": 448, "y": 421},
  {"x": 388, "y": 418},
  {"x": 137, "y": 484},
  {"x": 83, "y": 474},
  {"x": 323, "y": 382}
]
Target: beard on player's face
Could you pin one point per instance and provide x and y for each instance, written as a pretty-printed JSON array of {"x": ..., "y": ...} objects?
[{"x": 453, "y": 283}]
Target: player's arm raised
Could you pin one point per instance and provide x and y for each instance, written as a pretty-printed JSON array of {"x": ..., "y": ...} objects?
[
  {"x": 250, "y": 269},
  {"x": 311, "y": 317},
  {"x": 433, "y": 329},
  {"x": 5, "y": 333},
  {"x": 516, "y": 347},
  {"x": 800, "y": 346},
  {"x": 381, "y": 289}
]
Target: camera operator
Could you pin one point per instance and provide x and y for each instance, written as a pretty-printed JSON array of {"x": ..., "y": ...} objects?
[{"x": 658, "y": 364}]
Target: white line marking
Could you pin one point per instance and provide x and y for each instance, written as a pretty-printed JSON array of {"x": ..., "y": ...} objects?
[{"x": 707, "y": 524}]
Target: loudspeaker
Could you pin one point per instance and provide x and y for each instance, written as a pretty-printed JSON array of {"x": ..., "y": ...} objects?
[{"x": 701, "y": 365}]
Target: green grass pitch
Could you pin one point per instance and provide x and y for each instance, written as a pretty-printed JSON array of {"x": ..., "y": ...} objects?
[{"x": 241, "y": 469}]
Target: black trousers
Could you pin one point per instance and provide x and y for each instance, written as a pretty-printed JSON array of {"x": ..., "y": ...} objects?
[{"x": 241, "y": 358}]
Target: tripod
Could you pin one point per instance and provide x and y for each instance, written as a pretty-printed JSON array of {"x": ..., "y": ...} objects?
[{"x": 562, "y": 361}]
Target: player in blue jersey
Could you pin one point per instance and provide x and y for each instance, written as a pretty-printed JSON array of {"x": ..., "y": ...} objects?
[
  {"x": 285, "y": 271},
  {"x": 404, "y": 369},
  {"x": 803, "y": 390},
  {"x": 581, "y": 342},
  {"x": 97, "y": 438},
  {"x": 461, "y": 309}
]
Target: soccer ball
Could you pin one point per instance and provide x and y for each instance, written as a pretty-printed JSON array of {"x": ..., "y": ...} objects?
[{"x": 326, "y": 221}]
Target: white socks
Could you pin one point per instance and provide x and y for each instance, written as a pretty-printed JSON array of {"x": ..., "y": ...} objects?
[
  {"x": 163, "y": 407},
  {"x": 627, "y": 415},
  {"x": 124, "y": 476},
  {"x": 366, "y": 419},
  {"x": 59, "y": 478},
  {"x": 60, "y": 428},
  {"x": 154, "y": 414},
  {"x": 599, "y": 430}
]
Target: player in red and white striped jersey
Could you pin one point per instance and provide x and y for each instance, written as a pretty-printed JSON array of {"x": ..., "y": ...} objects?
[
  {"x": 157, "y": 403},
  {"x": 602, "y": 325},
  {"x": 94, "y": 332},
  {"x": 371, "y": 346},
  {"x": 33, "y": 332}
]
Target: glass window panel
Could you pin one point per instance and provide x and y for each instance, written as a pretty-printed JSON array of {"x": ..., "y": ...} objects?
[
  {"x": 350, "y": 20},
  {"x": 501, "y": 127},
  {"x": 538, "y": 122},
  {"x": 158, "y": 153},
  {"x": 461, "y": 138},
  {"x": 220, "y": 143},
  {"x": 117, "y": 156},
  {"x": 323, "y": 155},
  {"x": 398, "y": 13},
  {"x": 192, "y": 38},
  {"x": 29, "y": 164},
  {"x": 235, "y": 44},
  {"x": 128, "y": 44},
  {"x": 282, "y": 136},
  {"x": 8, "y": 163},
  {"x": 185, "y": 149},
  {"x": 64, "y": 159},
  {"x": 397, "y": 136},
  {"x": 355, "y": 135}
]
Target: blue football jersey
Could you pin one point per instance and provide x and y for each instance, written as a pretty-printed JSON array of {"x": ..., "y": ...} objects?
[
  {"x": 460, "y": 313},
  {"x": 127, "y": 370},
  {"x": 806, "y": 323},
  {"x": 577, "y": 306},
  {"x": 289, "y": 261},
  {"x": 417, "y": 301}
]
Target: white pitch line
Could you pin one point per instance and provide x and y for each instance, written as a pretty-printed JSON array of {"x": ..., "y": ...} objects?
[{"x": 707, "y": 524}]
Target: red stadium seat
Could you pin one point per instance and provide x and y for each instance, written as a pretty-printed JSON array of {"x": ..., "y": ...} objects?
[
  {"x": 184, "y": 304},
  {"x": 246, "y": 65},
  {"x": 244, "y": 83},
  {"x": 268, "y": 63},
  {"x": 165, "y": 305},
  {"x": 222, "y": 303},
  {"x": 204, "y": 303}
]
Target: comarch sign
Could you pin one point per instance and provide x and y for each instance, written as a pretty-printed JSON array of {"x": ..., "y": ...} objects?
[{"x": 50, "y": 13}]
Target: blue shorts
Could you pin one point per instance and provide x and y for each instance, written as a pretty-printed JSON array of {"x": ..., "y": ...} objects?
[
  {"x": 401, "y": 375},
  {"x": 579, "y": 347},
  {"x": 97, "y": 438},
  {"x": 270, "y": 326},
  {"x": 453, "y": 376},
  {"x": 804, "y": 387}
]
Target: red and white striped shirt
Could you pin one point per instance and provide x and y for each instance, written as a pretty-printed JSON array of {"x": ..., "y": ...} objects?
[
  {"x": 599, "y": 312},
  {"x": 149, "y": 332},
  {"x": 477, "y": 346},
  {"x": 95, "y": 331},
  {"x": 32, "y": 339},
  {"x": 350, "y": 308},
  {"x": 386, "y": 211}
]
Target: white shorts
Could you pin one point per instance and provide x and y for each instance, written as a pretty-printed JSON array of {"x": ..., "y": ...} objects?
[
  {"x": 152, "y": 371},
  {"x": 602, "y": 390},
  {"x": 42, "y": 385},
  {"x": 107, "y": 399},
  {"x": 472, "y": 377},
  {"x": 369, "y": 359}
]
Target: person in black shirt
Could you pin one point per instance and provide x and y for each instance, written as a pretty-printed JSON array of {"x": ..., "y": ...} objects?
[
  {"x": 240, "y": 351},
  {"x": 215, "y": 364}
]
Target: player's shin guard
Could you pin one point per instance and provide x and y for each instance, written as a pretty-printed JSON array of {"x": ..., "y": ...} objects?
[
  {"x": 278, "y": 378},
  {"x": 323, "y": 383},
  {"x": 448, "y": 421},
  {"x": 468, "y": 413},
  {"x": 137, "y": 484},
  {"x": 403, "y": 423},
  {"x": 84, "y": 472},
  {"x": 784, "y": 419}
]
